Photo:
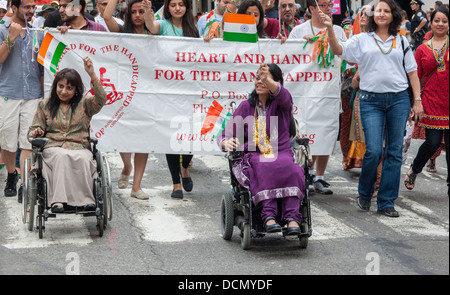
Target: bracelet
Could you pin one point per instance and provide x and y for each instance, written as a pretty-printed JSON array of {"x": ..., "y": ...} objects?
[
  {"x": 9, "y": 41},
  {"x": 418, "y": 99}
]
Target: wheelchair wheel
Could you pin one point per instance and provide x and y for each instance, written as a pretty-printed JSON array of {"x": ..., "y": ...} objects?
[
  {"x": 25, "y": 192},
  {"x": 41, "y": 226},
  {"x": 246, "y": 236},
  {"x": 100, "y": 225},
  {"x": 227, "y": 216},
  {"x": 107, "y": 188}
]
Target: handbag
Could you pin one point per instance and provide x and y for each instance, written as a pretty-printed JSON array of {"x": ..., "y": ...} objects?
[{"x": 410, "y": 92}]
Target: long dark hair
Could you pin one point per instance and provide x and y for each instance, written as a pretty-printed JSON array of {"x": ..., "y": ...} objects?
[
  {"x": 277, "y": 75},
  {"x": 243, "y": 10},
  {"x": 396, "y": 18},
  {"x": 189, "y": 27},
  {"x": 128, "y": 27},
  {"x": 74, "y": 79}
]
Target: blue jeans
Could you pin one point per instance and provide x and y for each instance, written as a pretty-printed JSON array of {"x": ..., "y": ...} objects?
[{"x": 383, "y": 117}]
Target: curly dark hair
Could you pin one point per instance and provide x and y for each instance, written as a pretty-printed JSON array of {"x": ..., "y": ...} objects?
[{"x": 396, "y": 18}]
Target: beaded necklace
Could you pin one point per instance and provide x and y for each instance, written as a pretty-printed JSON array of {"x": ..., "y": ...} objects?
[
  {"x": 390, "y": 49},
  {"x": 438, "y": 54},
  {"x": 64, "y": 129}
]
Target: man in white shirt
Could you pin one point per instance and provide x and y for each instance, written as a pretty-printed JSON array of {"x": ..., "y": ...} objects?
[
  {"x": 216, "y": 15},
  {"x": 101, "y": 6},
  {"x": 306, "y": 31}
]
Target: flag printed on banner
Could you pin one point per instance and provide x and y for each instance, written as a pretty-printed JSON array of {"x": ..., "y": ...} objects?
[
  {"x": 216, "y": 120},
  {"x": 50, "y": 52},
  {"x": 240, "y": 28}
]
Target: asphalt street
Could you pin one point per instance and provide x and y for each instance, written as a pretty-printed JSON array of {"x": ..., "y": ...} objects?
[{"x": 162, "y": 236}]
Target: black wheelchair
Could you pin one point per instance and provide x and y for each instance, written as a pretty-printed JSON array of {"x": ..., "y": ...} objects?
[
  {"x": 237, "y": 208},
  {"x": 35, "y": 190}
]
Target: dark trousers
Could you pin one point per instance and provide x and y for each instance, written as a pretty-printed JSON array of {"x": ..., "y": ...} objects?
[
  {"x": 174, "y": 165},
  {"x": 433, "y": 139}
]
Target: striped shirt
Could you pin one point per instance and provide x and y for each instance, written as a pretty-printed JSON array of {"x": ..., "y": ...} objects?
[{"x": 91, "y": 26}]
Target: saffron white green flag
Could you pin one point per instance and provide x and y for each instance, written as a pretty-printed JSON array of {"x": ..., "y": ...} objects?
[
  {"x": 50, "y": 52},
  {"x": 240, "y": 28}
]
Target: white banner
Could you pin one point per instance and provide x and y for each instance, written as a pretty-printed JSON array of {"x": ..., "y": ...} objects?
[{"x": 160, "y": 88}]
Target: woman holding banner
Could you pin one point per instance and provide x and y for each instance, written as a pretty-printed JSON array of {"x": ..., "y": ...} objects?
[
  {"x": 178, "y": 22},
  {"x": 384, "y": 100},
  {"x": 134, "y": 24}
]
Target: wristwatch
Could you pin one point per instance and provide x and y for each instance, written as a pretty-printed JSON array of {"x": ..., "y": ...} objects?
[{"x": 418, "y": 98}]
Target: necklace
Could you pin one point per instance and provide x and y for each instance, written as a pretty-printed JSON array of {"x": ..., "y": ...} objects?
[
  {"x": 438, "y": 54},
  {"x": 67, "y": 127},
  {"x": 390, "y": 49},
  {"x": 173, "y": 28}
]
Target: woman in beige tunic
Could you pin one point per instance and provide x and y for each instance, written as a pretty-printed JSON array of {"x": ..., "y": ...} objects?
[{"x": 64, "y": 118}]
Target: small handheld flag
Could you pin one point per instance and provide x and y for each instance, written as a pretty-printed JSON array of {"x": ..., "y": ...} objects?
[
  {"x": 50, "y": 52},
  {"x": 240, "y": 28}
]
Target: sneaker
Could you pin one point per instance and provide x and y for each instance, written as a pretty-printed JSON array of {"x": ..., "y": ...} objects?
[
  {"x": 11, "y": 184},
  {"x": 20, "y": 195},
  {"x": 390, "y": 212},
  {"x": 363, "y": 204},
  {"x": 321, "y": 187}
]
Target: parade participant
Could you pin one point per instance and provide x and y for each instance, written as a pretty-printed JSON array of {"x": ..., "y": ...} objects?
[
  {"x": 254, "y": 7},
  {"x": 54, "y": 20},
  {"x": 266, "y": 166},
  {"x": 73, "y": 17},
  {"x": 384, "y": 99},
  {"x": 433, "y": 70},
  {"x": 178, "y": 22},
  {"x": 3, "y": 10},
  {"x": 419, "y": 23},
  {"x": 287, "y": 10},
  {"x": 306, "y": 31},
  {"x": 134, "y": 24},
  {"x": 100, "y": 18},
  {"x": 42, "y": 15},
  {"x": 64, "y": 118},
  {"x": 207, "y": 21},
  {"x": 21, "y": 87}
]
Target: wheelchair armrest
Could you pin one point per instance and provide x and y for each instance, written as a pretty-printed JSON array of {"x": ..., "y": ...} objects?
[{"x": 39, "y": 142}]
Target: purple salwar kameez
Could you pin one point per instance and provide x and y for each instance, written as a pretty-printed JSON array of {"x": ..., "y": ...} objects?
[{"x": 274, "y": 176}]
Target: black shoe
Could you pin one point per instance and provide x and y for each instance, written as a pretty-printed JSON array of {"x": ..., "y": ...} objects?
[
  {"x": 363, "y": 204},
  {"x": 188, "y": 184},
  {"x": 390, "y": 212},
  {"x": 90, "y": 207},
  {"x": 272, "y": 228},
  {"x": 20, "y": 195},
  {"x": 11, "y": 184},
  {"x": 293, "y": 231},
  {"x": 177, "y": 195},
  {"x": 57, "y": 209}
]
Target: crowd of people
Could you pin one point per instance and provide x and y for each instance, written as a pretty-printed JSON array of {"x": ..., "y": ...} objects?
[{"x": 385, "y": 54}]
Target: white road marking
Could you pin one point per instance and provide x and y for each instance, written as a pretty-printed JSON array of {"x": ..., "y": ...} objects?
[{"x": 62, "y": 230}]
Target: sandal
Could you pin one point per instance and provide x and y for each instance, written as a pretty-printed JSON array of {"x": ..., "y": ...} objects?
[
  {"x": 411, "y": 179},
  {"x": 273, "y": 228},
  {"x": 432, "y": 166}
]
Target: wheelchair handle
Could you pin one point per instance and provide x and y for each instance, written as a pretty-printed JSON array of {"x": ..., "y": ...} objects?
[{"x": 38, "y": 142}]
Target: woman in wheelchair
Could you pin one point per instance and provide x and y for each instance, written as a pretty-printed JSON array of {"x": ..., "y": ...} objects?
[
  {"x": 259, "y": 130},
  {"x": 64, "y": 118}
]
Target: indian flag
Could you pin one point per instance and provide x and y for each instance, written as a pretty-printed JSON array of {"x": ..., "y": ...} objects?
[
  {"x": 216, "y": 120},
  {"x": 50, "y": 52},
  {"x": 240, "y": 28}
]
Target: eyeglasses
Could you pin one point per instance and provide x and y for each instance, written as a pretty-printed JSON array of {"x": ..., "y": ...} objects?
[
  {"x": 290, "y": 5},
  {"x": 29, "y": 7},
  {"x": 330, "y": 5}
]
